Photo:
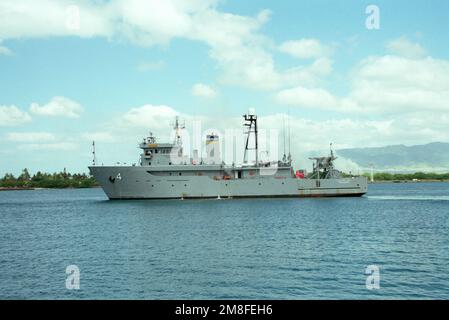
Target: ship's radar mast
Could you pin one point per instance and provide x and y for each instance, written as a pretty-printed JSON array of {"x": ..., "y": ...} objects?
[
  {"x": 251, "y": 123},
  {"x": 94, "y": 156},
  {"x": 151, "y": 138},
  {"x": 178, "y": 127}
]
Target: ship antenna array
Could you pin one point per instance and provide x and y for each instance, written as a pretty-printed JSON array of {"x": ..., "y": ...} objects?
[
  {"x": 251, "y": 123},
  {"x": 283, "y": 131},
  {"x": 289, "y": 144},
  {"x": 94, "y": 159},
  {"x": 178, "y": 127}
]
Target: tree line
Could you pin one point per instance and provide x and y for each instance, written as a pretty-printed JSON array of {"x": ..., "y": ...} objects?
[
  {"x": 386, "y": 176},
  {"x": 40, "y": 179}
]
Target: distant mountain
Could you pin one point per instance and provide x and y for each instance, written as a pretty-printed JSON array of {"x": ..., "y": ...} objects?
[{"x": 428, "y": 157}]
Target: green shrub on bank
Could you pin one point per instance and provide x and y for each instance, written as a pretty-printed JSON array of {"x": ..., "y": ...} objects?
[
  {"x": 386, "y": 176},
  {"x": 48, "y": 180}
]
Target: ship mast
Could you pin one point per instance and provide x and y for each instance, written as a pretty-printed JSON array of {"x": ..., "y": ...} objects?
[
  {"x": 94, "y": 159},
  {"x": 178, "y": 127},
  {"x": 289, "y": 158},
  {"x": 251, "y": 123}
]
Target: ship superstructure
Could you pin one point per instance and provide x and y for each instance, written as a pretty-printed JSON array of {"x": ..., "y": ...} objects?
[{"x": 165, "y": 172}]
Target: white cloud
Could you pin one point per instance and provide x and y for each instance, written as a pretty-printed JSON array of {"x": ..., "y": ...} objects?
[
  {"x": 238, "y": 48},
  {"x": 99, "y": 136},
  {"x": 13, "y": 116},
  {"x": 405, "y": 48},
  {"x": 310, "y": 75},
  {"x": 383, "y": 85},
  {"x": 145, "y": 22},
  {"x": 305, "y": 48},
  {"x": 41, "y": 18},
  {"x": 149, "y": 116},
  {"x": 309, "y": 98},
  {"x": 30, "y": 136},
  {"x": 5, "y": 51},
  {"x": 151, "y": 66},
  {"x": 392, "y": 84},
  {"x": 57, "y": 146},
  {"x": 204, "y": 91},
  {"x": 58, "y": 107},
  {"x": 235, "y": 41}
]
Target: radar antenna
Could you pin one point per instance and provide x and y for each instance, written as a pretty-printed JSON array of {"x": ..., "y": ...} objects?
[
  {"x": 178, "y": 127},
  {"x": 251, "y": 123},
  {"x": 289, "y": 158},
  {"x": 94, "y": 159}
]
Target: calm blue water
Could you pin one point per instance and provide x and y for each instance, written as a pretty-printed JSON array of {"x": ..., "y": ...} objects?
[{"x": 225, "y": 249}]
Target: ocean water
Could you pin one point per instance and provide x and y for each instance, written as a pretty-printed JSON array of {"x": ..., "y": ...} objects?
[{"x": 226, "y": 249}]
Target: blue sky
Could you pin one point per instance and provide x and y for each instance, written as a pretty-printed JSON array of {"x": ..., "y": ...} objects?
[{"x": 71, "y": 72}]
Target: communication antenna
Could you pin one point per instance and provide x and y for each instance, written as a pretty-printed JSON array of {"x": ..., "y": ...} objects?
[
  {"x": 178, "y": 127},
  {"x": 251, "y": 124},
  {"x": 288, "y": 124},
  {"x": 283, "y": 130},
  {"x": 94, "y": 159}
]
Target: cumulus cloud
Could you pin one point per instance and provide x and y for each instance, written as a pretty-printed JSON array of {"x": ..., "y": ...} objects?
[
  {"x": 99, "y": 136},
  {"x": 58, "y": 107},
  {"x": 41, "y": 18},
  {"x": 383, "y": 85},
  {"x": 235, "y": 41},
  {"x": 305, "y": 48},
  {"x": 405, "y": 48},
  {"x": 151, "y": 66},
  {"x": 13, "y": 116},
  {"x": 309, "y": 98},
  {"x": 30, "y": 136},
  {"x": 149, "y": 116},
  {"x": 5, "y": 51},
  {"x": 392, "y": 84},
  {"x": 204, "y": 91},
  {"x": 57, "y": 146}
]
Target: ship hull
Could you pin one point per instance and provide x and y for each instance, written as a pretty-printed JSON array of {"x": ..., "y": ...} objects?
[{"x": 139, "y": 182}]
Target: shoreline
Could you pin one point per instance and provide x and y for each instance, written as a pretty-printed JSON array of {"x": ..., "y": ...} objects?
[
  {"x": 37, "y": 188},
  {"x": 406, "y": 181}
]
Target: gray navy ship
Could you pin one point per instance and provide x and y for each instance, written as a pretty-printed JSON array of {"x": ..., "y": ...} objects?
[{"x": 165, "y": 173}]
